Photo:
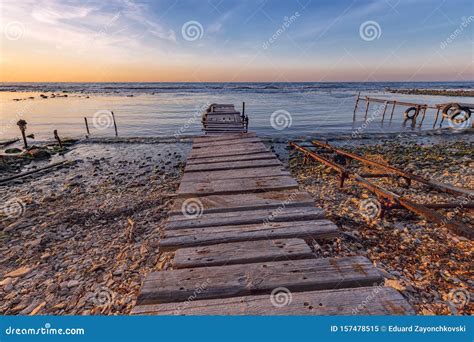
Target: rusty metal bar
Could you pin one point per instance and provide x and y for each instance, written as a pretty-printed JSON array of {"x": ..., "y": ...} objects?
[
  {"x": 449, "y": 205},
  {"x": 435, "y": 185},
  {"x": 376, "y": 175},
  {"x": 391, "y": 198}
]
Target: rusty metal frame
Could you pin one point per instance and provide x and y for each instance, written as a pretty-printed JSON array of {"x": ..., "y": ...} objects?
[
  {"x": 390, "y": 200},
  {"x": 454, "y": 190}
]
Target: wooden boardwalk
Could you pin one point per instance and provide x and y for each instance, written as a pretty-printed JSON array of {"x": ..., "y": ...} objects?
[{"x": 243, "y": 237}]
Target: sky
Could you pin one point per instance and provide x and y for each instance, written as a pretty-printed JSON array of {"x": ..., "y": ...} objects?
[{"x": 236, "y": 41}]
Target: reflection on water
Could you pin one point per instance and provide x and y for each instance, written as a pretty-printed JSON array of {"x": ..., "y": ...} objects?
[{"x": 177, "y": 110}]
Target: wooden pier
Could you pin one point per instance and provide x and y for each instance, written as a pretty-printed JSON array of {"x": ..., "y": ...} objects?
[
  {"x": 243, "y": 236},
  {"x": 223, "y": 118}
]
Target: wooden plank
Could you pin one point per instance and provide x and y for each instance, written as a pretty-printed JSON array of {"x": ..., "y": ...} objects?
[
  {"x": 242, "y": 253},
  {"x": 261, "y": 278},
  {"x": 226, "y": 142},
  {"x": 224, "y": 153},
  {"x": 241, "y": 164},
  {"x": 241, "y": 185},
  {"x": 241, "y": 202},
  {"x": 224, "y": 137},
  {"x": 234, "y": 174},
  {"x": 250, "y": 156},
  {"x": 227, "y": 151},
  {"x": 260, "y": 216},
  {"x": 315, "y": 229},
  {"x": 383, "y": 301}
]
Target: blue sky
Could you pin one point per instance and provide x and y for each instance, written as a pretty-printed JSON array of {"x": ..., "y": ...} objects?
[{"x": 122, "y": 40}]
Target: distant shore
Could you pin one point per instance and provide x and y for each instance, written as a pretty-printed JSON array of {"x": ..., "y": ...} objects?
[{"x": 435, "y": 92}]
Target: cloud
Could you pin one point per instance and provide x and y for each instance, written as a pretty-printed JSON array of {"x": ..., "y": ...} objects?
[{"x": 59, "y": 12}]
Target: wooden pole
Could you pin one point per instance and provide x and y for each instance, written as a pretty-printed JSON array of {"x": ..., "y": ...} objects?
[
  {"x": 56, "y": 136},
  {"x": 384, "y": 110},
  {"x": 355, "y": 107},
  {"x": 423, "y": 117},
  {"x": 436, "y": 118},
  {"x": 366, "y": 107},
  {"x": 115, "y": 125},
  {"x": 87, "y": 127},
  {"x": 393, "y": 109},
  {"x": 243, "y": 109}
]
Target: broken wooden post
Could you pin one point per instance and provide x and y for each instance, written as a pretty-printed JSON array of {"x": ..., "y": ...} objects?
[
  {"x": 393, "y": 109},
  {"x": 87, "y": 127},
  {"x": 367, "y": 101},
  {"x": 384, "y": 110},
  {"x": 56, "y": 136},
  {"x": 22, "y": 124},
  {"x": 243, "y": 110},
  {"x": 355, "y": 107},
  {"x": 115, "y": 125}
]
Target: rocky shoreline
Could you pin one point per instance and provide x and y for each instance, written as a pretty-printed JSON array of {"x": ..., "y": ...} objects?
[
  {"x": 426, "y": 262},
  {"x": 81, "y": 238},
  {"x": 435, "y": 92}
]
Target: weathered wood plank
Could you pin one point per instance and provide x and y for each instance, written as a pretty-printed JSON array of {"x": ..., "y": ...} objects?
[
  {"x": 241, "y": 185},
  {"x": 242, "y": 253},
  {"x": 225, "y": 137},
  {"x": 383, "y": 301},
  {"x": 261, "y": 278},
  {"x": 259, "y": 216},
  {"x": 241, "y": 164},
  {"x": 226, "y": 143},
  {"x": 226, "y": 150},
  {"x": 242, "y": 157},
  {"x": 234, "y": 174},
  {"x": 180, "y": 238},
  {"x": 241, "y": 202}
]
